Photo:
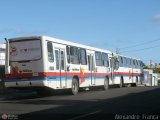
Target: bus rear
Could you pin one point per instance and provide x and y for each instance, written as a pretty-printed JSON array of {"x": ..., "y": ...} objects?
[{"x": 24, "y": 63}]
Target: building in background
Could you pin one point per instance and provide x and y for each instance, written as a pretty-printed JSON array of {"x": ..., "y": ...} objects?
[
  {"x": 2, "y": 54},
  {"x": 2, "y": 63},
  {"x": 150, "y": 78}
]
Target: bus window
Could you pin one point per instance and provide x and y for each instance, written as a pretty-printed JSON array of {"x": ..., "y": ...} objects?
[
  {"x": 74, "y": 55},
  {"x": 50, "y": 51},
  {"x": 124, "y": 61},
  {"x": 133, "y": 62},
  {"x": 57, "y": 59},
  {"x": 83, "y": 58},
  {"x": 68, "y": 53},
  {"x": 137, "y": 63},
  {"x": 141, "y": 64},
  {"x": 89, "y": 62},
  {"x": 98, "y": 57},
  {"x": 62, "y": 60},
  {"x": 120, "y": 60},
  {"x": 105, "y": 61},
  {"x": 130, "y": 62}
]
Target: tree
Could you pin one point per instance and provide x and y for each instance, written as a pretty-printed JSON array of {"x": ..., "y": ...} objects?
[{"x": 155, "y": 70}]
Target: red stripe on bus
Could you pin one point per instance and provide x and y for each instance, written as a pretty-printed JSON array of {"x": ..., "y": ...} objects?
[
  {"x": 71, "y": 74},
  {"x": 56, "y": 74},
  {"x": 127, "y": 73}
]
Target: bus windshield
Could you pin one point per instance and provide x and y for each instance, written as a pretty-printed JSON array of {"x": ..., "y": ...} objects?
[{"x": 25, "y": 50}]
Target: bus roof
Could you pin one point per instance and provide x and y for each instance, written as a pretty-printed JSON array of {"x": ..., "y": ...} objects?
[
  {"x": 128, "y": 57},
  {"x": 56, "y": 40}
]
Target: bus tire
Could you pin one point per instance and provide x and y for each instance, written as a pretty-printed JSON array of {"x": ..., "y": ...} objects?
[
  {"x": 121, "y": 82},
  {"x": 75, "y": 86},
  {"x": 106, "y": 83}
]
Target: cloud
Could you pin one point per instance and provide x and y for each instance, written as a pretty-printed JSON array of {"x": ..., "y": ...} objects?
[{"x": 156, "y": 18}]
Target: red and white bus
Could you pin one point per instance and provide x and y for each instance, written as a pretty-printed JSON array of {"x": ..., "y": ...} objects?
[
  {"x": 44, "y": 62},
  {"x": 128, "y": 71}
]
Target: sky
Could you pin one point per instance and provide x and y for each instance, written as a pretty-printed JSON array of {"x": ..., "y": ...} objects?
[{"x": 130, "y": 27}]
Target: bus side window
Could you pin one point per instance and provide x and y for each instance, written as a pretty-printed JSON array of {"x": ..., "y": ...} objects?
[
  {"x": 141, "y": 64},
  {"x": 105, "y": 61},
  {"x": 98, "y": 57},
  {"x": 124, "y": 62},
  {"x": 127, "y": 62},
  {"x": 130, "y": 62},
  {"x": 68, "y": 53},
  {"x": 62, "y": 60},
  {"x": 57, "y": 59},
  {"x": 50, "y": 51},
  {"x": 83, "y": 57},
  {"x": 134, "y": 64},
  {"x": 137, "y": 63},
  {"x": 120, "y": 61},
  {"x": 74, "y": 55}
]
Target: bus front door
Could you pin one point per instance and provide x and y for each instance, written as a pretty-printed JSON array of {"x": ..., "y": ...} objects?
[
  {"x": 91, "y": 68},
  {"x": 60, "y": 67}
]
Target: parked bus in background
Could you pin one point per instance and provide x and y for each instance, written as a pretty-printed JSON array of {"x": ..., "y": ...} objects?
[
  {"x": 38, "y": 62},
  {"x": 128, "y": 71}
]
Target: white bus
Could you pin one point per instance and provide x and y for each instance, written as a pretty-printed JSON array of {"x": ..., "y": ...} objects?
[
  {"x": 37, "y": 62},
  {"x": 128, "y": 71}
]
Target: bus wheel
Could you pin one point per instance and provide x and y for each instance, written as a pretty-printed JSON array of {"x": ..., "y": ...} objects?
[
  {"x": 75, "y": 86},
  {"x": 121, "y": 82},
  {"x": 106, "y": 83}
]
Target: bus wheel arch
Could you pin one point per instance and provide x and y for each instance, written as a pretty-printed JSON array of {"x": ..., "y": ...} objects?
[
  {"x": 106, "y": 83},
  {"x": 75, "y": 85}
]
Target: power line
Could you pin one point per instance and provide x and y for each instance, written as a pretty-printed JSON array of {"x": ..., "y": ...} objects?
[
  {"x": 141, "y": 49},
  {"x": 140, "y": 44}
]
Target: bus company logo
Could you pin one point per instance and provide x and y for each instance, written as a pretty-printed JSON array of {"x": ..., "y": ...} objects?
[
  {"x": 4, "y": 116},
  {"x": 82, "y": 75},
  {"x": 13, "y": 51}
]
